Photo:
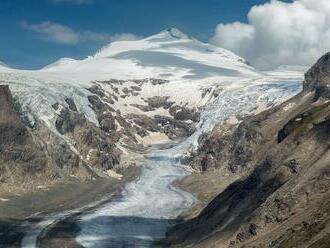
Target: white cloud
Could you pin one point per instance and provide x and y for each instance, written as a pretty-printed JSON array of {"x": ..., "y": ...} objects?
[
  {"x": 53, "y": 32},
  {"x": 79, "y": 2},
  {"x": 65, "y": 35},
  {"x": 279, "y": 33}
]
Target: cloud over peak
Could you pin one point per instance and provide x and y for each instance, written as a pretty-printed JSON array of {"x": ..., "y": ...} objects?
[
  {"x": 62, "y": 34},
  {"x": 279, "y": 33}
]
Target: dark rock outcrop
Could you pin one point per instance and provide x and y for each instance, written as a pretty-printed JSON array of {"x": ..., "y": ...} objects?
[
  {"x": 184, "y": 113},
  {"x": 107, "y": 122},
  {"x": 97, "y": 90},
  {"x": 71, "y": 104},
  {"x": 159, "y": 101},
  {"x": 318, "y": 77},
  {"x": 88, "y": 137},
  {"x": 154, "y": 103},
  {"x": 172, "y": 128},
  {"x": 68, "y": 120}
]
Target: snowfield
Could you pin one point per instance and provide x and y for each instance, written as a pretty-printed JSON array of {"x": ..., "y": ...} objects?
[{"x": 169, "y": 54}]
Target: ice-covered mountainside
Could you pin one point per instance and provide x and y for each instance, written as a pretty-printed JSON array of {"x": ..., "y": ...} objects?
[
  {"x": 188, "y": 64},
  {"x": 246, "y": 98}
]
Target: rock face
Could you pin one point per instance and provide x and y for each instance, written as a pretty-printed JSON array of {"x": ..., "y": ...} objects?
[
  {"x": 229, "y": 146},
  {"x": 95, "y": 144},
  {"x": 318, "y": 77},
  {"x": 282, "y": 156},
  {"x": 184, "y": 113},
  {"x": 20, "y": 154}
]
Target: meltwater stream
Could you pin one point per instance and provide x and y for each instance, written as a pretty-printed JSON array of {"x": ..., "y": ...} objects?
[{"x": 145, "y": 210}]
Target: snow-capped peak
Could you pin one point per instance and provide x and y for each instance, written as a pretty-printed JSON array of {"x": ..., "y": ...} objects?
[
  {"x": 176, "y": 33},
  {"x": 167, "y": 35},
  {"x": 173, "y": 33},
  {"x": 169, "y": 54}
]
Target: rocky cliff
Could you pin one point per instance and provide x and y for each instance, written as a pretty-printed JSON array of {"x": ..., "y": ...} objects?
[
  {"x": 282, "y": 157},
  {"x": 20, "y": 154},
  {"x": 31, "y": 156}
]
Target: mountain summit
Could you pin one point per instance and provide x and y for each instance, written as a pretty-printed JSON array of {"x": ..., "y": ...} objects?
[
  {"x": 173, "y": 33},
  {"x": 169, "y": 54}
]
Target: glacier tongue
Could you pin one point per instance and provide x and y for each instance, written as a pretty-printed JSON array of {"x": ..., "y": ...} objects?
[{"x": 145, "y": 210}]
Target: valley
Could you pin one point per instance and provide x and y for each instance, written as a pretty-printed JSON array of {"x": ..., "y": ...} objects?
[{"x": 181, "y": 144}]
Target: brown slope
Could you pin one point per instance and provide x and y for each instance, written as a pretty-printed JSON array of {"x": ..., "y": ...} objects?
[{"x": 20, "y": 156}]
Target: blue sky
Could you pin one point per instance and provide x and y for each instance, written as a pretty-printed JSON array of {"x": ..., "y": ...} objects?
[{"x": 34, "y": 33}]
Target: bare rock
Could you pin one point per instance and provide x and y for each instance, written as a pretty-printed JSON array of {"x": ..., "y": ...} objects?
[
  {"x": 68, "y": 120},
  {"x": 71, "y": 104},
  {"x": 318, "y": 77}
]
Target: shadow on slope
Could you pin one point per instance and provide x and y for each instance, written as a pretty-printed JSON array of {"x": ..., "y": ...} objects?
[{"x": 161, "y": 59}]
